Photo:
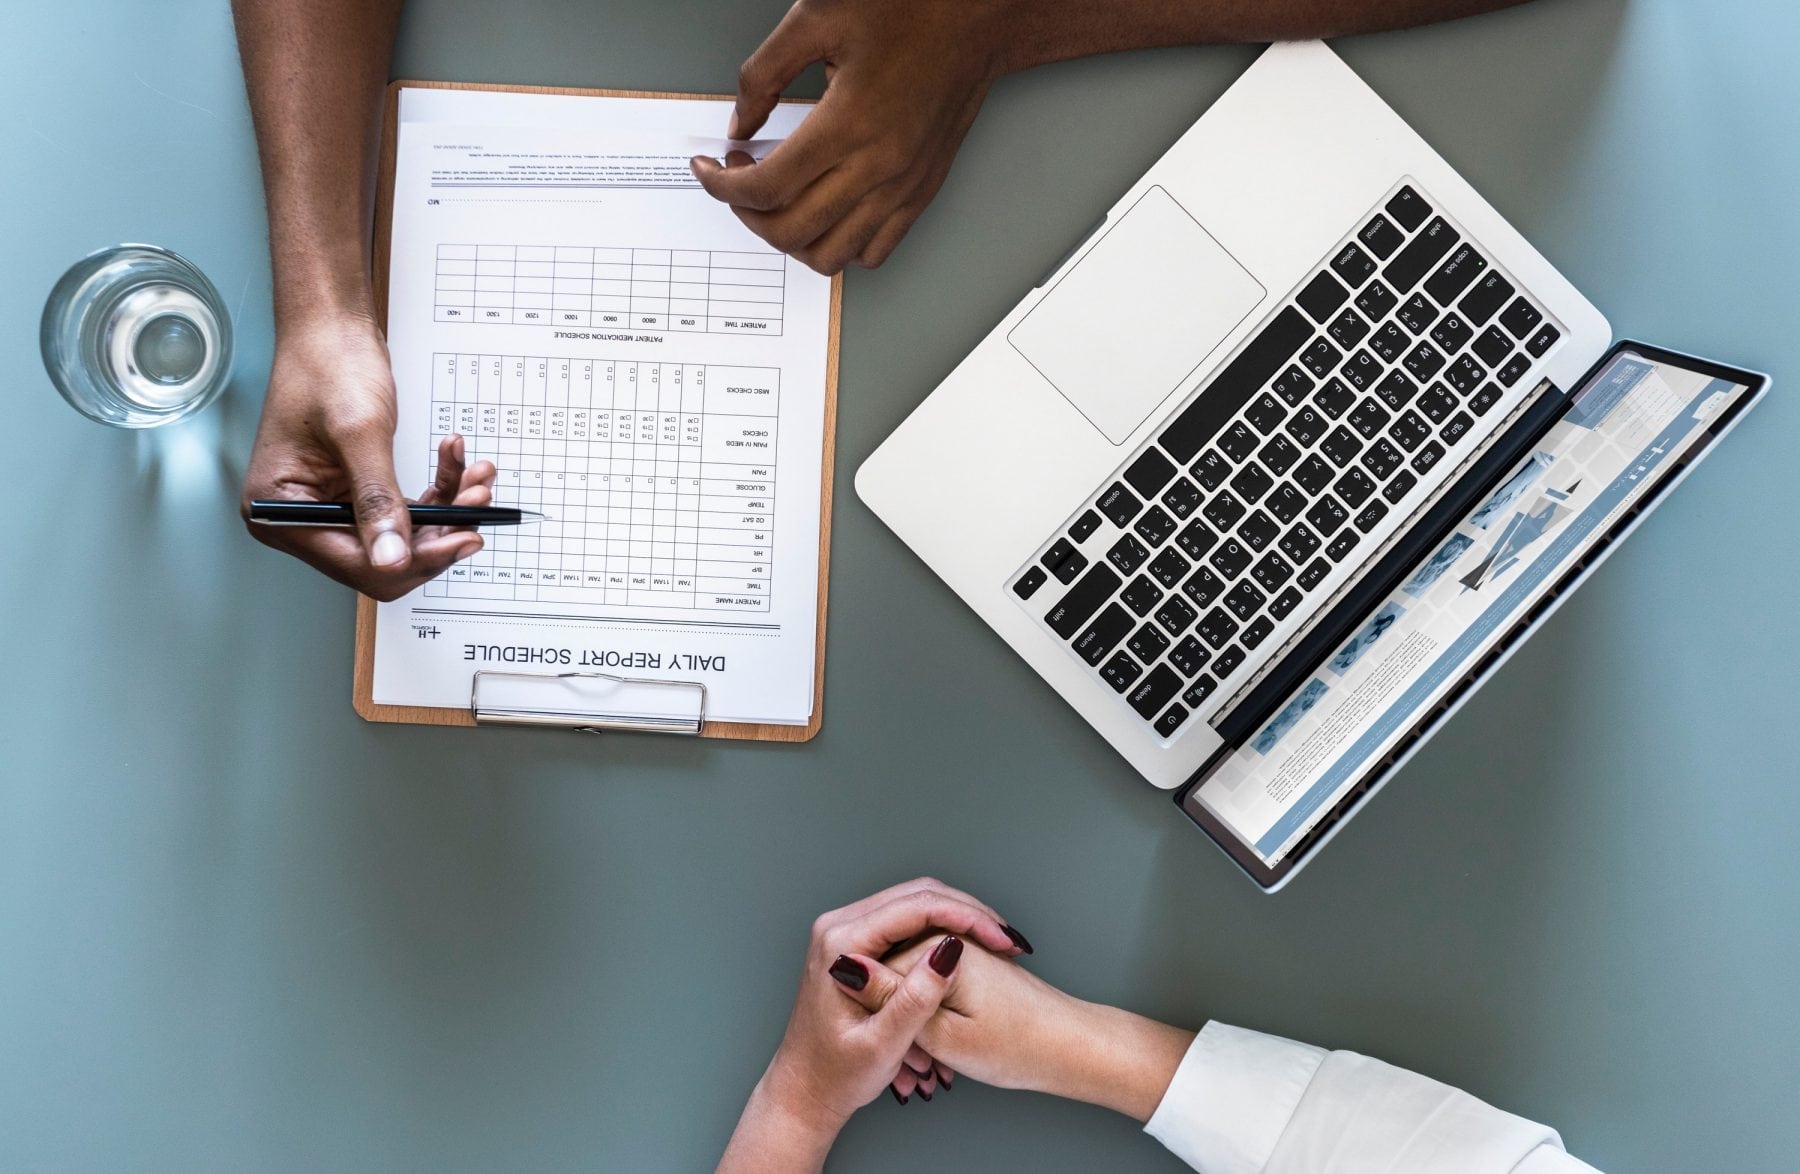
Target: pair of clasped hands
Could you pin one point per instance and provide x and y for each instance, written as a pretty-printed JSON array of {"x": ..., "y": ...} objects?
[{"x": 917, "y": 985}]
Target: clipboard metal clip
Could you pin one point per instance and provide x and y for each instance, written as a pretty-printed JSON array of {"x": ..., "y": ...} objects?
[{"x": 590, "y": 703}]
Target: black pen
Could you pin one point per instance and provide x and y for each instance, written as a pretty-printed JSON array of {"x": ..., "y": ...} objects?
[{"x": 330, "y": 513}]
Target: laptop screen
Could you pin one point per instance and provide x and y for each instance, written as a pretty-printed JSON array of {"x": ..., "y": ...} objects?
[{"x": 1626, "y": 429}]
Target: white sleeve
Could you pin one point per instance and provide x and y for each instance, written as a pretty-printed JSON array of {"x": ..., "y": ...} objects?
[{"x": 1246, "y": 1103}]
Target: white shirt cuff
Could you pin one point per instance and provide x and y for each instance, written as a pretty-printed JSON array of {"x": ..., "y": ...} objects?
[{"x": 1232, "y": 1097}]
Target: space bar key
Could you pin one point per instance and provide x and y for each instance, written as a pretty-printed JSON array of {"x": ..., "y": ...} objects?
[{"x": 1233, "y": 387}]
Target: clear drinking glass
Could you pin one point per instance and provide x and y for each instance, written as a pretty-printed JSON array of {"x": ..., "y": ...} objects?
[{"x": 135, "y": 336}]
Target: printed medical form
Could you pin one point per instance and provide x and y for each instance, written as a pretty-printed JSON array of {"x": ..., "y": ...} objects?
[{"x": 640, "y": 367}]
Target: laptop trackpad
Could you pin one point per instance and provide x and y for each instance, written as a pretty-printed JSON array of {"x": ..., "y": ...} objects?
[{"x": 1137, "y": 315}]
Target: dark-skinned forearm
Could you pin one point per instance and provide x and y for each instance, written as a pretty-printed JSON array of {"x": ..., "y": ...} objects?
[{"x": 315, "y": 70}]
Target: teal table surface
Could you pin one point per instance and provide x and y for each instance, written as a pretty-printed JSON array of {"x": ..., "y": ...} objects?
[{"x": 240, "y": 929}]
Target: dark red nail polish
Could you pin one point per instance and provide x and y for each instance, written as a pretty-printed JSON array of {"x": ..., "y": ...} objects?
[
  {"x": 924, "y": 1096},
  {"x": 943, "y": 1076},
  {"x": 850, "y": 972},
  {"x": 896, "y": 1093},
  {"x": 945, "y": 955},
  {"x": 925, "y": 1075},
  {"x": 1018, "y": 939}
]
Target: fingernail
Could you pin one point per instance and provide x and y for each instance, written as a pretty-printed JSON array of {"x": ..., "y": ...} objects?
[
  {"x": 943, "y": 1076},
  {"x": 896, "y": 1093},
  {"x": 1018, "y": 939},
  {"x": 731, "y": 128},
  {"x": 458, "y": 447},
  {"x": 389, "y": 550},
  {"x": 945, "y": 956},
  {"x": 850, "y": 972},
  {"x": 925, "y": 1075},
  {"x": 924, "y": 1096}
]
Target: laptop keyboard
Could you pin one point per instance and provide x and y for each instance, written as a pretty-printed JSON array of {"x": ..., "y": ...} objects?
[{"x": 1372, "y": 381}]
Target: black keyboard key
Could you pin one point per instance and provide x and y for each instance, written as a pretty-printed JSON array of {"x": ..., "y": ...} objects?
[
  {"x": 1464, "y": 375},
  {"x": 1334, "y": 398},
  {"x": 1390, "y": 342},
  {"x": 1305, "y": 426},
  {"x": 1196, "y": 538},
  {"x": 1071, "y": 565},
  {"x": 1237, "y": 442},
  {"x": 1451, "y": 332},
  {"x": 1189, "y": 655},
  {"x": 1321, "y": 357},
  {"x": 1484, "y": 399},
  {"x": 1344, "y": 543},
  {"x": 1367, "y": 520},
  {"x": 1029, "y": 582},
  {"x": 1141, "y": 595},
  {"x": 1418, "y": 314},
  {"x": 1203, "y": 587},
  {"x": 1104, "y": 634},
  {"x": 1454, "y": 429},
  {"x": 1521, "y": 318},
  {"x": 1436, "y": 403},
  {"x": 1121, "y": 671},
  {"x": 1128, "y": 554},
  {"x": 1119, "y": 505},
  {"x": 1399, "y": 487},
  {"x": 1081, "y": 601},
  {"x": 1299, "y": 543},
  {"x": 1375, "y": 301},
  {"x": 1265, "y": 413},
  {"x": 1223, "y": 511},
  {"x": 1082, "y": 528},
  {"x": 1231, "y": 558},
  {"x": 1155, "y": 526},
  {"x": 1493, "y": 346},
  {"x": 1200, "y": 690},
  {"x": 1543, "y": 340},
  {"x": 1485, "y": 300},
  {"x": 1322, "y": 296},
  {"x": 1424, "y": 361},
  {"x": 1408, "y": 208},
  {"x": 1176, "y": 614},
  {"x": 1348, "y": 329},
  {"x": 1396, "y": 390},
  {"x": 1353, "y": 265},
  {"x": 1252, "y": 482},
  {"x": 1327, "y": 514},
  {"x": 1410, "y": 431},
  {"x": 1278, "y": 455},
  {"x": 1149, "y": 473},
  {"x": 1168, "y": 568},
  {"x": 1271, "y": 571},
  {"x": 1182, "y": 498},
  {"x": 1313, "y": 575},
  {"x": 1148, "y": 642},
  {"x": 1211, "y": 470},
  {"x": 1258, "y": 530},
  {"x": 1244, "y": 600},
  {"x": 1283, "y": 605},
  {"x": 1369, "y": 417},
  {"x": 1227, "y": 661},
  {"x": 1462, "y": 266},
  {"x": 1381, "y": 237},
  {"x": 1354, "y": 487},
  {"x": 1341, "y": 446},
  {"x": 1285, "y": 504},
  {"x": 1216, "y": 627},
  {"x": 1426, "y": 458},
  {"x": 1234, "y": 386},
  {"x": 1171, "y": 720},
  {"x": 1382, "y": 459},
  {"x": 1360, "y": 370},
  {"x": 1256, "y": 631},
  {"x": 1514, "y": 369},
  {"x": 1058, "y": 553},
  {"x": 1420, "y": 257},
  {"x": 1292, "y": 386},
  {"x": 1313, "y": 474}
]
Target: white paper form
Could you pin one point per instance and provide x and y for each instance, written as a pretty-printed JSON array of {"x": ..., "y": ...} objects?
[{"x": 640, "y": 367}]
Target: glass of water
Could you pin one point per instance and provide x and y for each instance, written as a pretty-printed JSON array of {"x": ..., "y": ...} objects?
[{"x": 135, "y": 336}]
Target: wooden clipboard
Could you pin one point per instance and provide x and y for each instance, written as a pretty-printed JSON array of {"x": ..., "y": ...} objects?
[{"x": 363, "y": 692}]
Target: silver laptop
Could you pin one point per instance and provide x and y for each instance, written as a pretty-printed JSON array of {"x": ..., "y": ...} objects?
[{"x": 1201, "y": 454}]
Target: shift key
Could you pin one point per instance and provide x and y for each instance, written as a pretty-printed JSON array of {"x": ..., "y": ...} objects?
[{"x": 1082, "y": 600}]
